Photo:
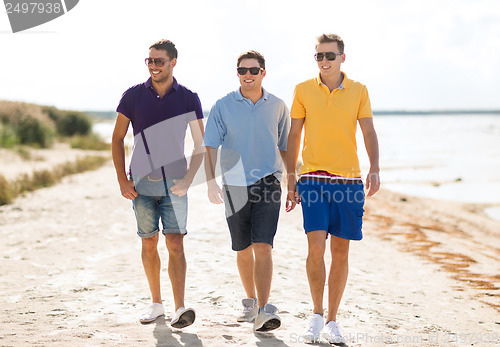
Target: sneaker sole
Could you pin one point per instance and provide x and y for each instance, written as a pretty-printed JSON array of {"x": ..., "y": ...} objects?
[
  {"x": 340, "y": 344},
  {"x": 147, "y": 321},
  {"x": 312, "y": 339},
  {"x": 270, "y": 325},
  {"x": 243, "y": 320},
  {"x": 185, "y": 319}
]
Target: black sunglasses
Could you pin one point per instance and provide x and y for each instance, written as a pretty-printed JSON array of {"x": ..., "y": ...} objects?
[
  {"x": 329, "y": 56},
  {"x": 158, "y": 61},
  {"x": 253, "y": 70}
]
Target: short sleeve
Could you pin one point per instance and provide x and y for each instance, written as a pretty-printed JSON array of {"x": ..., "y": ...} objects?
[
  {"x": 215, "y": 129},
  {"x": 298, "y": 110},
  {"x": 365, "y": 108},
  {"x": 196, "y": 106},
  {"x": 283, "y": 129},
  {"x": 125, "y": 106}
]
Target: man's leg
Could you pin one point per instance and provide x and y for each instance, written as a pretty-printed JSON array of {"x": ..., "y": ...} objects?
[
  {"x": 152, "y": 266},
  {"x": 263, "y": 271},
  {"x": 245, "y": 262},
  {"x": 176, "y": 267},
  {"x": 315, "y": 267},
  {"x": 337, "y": 278}
]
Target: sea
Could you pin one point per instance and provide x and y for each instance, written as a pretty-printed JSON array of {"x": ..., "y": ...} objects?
[{"x": 452, "y": 156}]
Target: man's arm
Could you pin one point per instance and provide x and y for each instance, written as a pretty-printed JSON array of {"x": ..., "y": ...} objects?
[
  {"x": 118, "y": 153},
  {"x": 181, "y": 186},
  {"x": 283, "y": 157},
  {"x": 371, "y": 144},
  {"x": 292, "y": 155},
  {"x": 214, "y": 192}
]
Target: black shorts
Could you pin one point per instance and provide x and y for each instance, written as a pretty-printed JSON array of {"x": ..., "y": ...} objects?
[{"x": 252, "y": 212}]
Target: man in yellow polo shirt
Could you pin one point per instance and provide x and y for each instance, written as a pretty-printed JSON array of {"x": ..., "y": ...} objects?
[{"x": 330, "y": 188}]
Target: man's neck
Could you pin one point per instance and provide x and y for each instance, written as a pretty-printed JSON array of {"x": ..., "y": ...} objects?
[
  {"x": 253, "y": 94},
  {"x": 163, "y": 87},
  {"x": 332, "y": 81}
]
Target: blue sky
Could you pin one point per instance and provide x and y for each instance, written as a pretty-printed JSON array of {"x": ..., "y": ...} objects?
[{"x": 411, "y": 54}]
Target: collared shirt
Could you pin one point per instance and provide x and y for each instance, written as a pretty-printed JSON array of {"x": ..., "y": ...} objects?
[
  {"x": 159, "y": 125},
  {"x": 330, "y": 125},
  {"x": 250, "y": 136}
]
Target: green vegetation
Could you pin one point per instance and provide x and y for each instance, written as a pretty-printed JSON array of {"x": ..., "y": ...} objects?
[
  {"x": 24, "y": 126},
  {"x": 90, "y": 142},
  {"x": 45, "y": 178},
  {"x": 40, "y": 126}
]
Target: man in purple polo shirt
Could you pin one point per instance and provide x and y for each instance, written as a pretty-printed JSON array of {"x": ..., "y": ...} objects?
[{"x": 160, "y": 111}]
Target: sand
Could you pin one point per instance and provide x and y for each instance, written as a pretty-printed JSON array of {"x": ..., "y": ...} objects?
[{"x": 426, "y": 273}]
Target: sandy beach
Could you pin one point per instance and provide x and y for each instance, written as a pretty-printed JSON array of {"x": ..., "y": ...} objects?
[{"x": 426, "y": 273}]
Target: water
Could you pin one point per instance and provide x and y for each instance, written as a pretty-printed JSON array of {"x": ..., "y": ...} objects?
[{"x": 448, "y": 157}]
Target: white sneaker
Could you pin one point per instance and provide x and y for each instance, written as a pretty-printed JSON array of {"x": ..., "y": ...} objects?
[
  {"x": 267, "y": 319},
  {"x": 154, "y": 311},
  {"x": 312, "y": 334},
  {"x": 250, "y": 310},
  {"x": 332, "y": 333},
  {"x": 183, "y": 317}
]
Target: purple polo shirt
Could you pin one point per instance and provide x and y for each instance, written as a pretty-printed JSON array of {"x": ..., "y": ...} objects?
[{"x": 159, "y": 126}]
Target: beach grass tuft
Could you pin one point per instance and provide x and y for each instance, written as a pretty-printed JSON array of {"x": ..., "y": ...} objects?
[{"x": 9, "y": 190}]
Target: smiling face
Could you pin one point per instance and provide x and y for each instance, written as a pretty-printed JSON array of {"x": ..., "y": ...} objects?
[
  {"x": 329, "y": 67},
  {"x": 248, "y": 81},
  {"x": 164, "y": 73}
]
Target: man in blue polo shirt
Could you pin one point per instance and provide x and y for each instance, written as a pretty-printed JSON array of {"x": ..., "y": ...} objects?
[
  {"x": 251, "y": 126},
  {"x": 160, "y": 110}
]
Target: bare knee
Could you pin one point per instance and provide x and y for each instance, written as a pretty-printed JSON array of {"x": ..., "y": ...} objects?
[
  {"x": 245, "y": 254},
  {"x": 340, "y": 251},
  {"x": 150, "y": 244},
  {"x": 262, "y": 249},
  {"x": 316, "y": 250},
  {"x": 175, "y": 244}
]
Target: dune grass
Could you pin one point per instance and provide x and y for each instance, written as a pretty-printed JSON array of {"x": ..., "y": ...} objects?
[{"x": 9, "y": 190}]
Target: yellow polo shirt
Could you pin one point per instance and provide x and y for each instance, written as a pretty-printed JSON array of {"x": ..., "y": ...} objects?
[{"x": 330, "y": 125}]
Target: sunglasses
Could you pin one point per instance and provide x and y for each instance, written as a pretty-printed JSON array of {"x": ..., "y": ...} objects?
[
  {"x": 157, "y": 61},
  {"x": 329, "y": 56},
  {"x": 253, "y": 70}
]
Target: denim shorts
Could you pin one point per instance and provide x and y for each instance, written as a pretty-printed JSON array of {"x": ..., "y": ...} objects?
[
  {"x": 154, "y": 202},
  {"x": 252, "y": 212},
  {"x": 336, "y": 208}
]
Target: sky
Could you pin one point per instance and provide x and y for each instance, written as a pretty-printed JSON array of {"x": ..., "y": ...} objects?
[{"x": 412, "y": 55}]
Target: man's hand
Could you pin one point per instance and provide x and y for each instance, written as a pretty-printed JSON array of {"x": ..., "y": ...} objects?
[
  {"x": 180, "y": 186},
  {"x": 215, "y": 194},
  {"x": 372, "y": 182},
  {"x": 292, "y": 197},
  {"x": 127, "y": 189}
]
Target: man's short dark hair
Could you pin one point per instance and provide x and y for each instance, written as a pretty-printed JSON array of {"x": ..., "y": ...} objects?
[
  {"x": 167, "y": 46},
  {"x": 252, "y": 55},
  {"x": 325, "y": 38}
]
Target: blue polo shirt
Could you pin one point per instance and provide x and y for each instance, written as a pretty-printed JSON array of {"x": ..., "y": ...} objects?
[
  {"x": 159, "y": 126},
  {"x": 250, "y": 136}
]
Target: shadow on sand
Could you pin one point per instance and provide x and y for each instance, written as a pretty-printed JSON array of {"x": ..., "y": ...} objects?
[{"x": 166, "y": 336}]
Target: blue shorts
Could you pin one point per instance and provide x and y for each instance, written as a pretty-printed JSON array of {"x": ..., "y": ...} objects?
[
  {"x": 336, "y": 208},
  {"x": 252, "y": 212},
  {"x": 154, "y": 202}
]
